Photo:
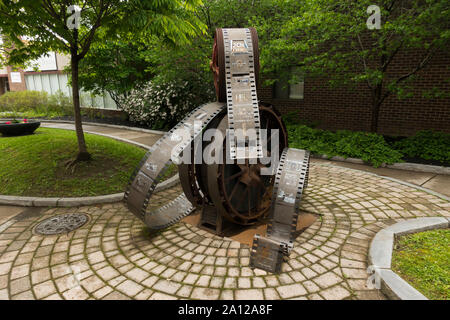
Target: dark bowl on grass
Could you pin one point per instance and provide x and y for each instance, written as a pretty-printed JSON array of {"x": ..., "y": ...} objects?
[{"x": 18, "y": 129}]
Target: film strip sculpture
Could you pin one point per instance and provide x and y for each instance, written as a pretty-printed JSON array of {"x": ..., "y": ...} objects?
[
  {"x": 232, "y": 190},
  {"x": 291, "y": 179}
]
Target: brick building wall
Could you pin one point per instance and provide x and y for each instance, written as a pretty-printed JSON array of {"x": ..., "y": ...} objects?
[
  {"x": 16, "y": 86},
  {"x": 344, "y": 108}
]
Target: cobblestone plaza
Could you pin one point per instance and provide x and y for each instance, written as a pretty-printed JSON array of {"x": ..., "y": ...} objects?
[{"x": 113, "y": 256}]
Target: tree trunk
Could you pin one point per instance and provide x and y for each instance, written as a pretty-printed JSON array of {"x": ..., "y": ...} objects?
[
  {"x": 374, "y": 118},
  {"x": 376, "y": 104},
  {"x": 83, "y": 154}
]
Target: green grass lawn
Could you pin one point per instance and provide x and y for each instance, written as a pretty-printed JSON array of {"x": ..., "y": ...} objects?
[
  {"x": 34, "y": 165},
  {"x": 423, "y": 259}
]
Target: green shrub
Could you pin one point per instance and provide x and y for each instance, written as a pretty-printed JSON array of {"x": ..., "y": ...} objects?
[
  {"x": 20, "y": 101},
  {"x": 427, "y": 145},
  {"x": 369, "y": 147},
  {"x": 35, "y": 104},
  {"x": 316, "y": 140}
]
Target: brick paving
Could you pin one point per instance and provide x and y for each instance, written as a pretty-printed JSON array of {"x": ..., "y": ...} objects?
[{"x": 113, "y": 256}]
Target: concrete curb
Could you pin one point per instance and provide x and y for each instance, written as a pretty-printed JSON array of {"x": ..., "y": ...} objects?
[
  {"x": 143, "y": 146},
  {"x": 75, "y": 202},
  {"x": 400, "y": 166},
  {"x": 420, "y": 168},
  {"x": 338, "y": 158},
  {"x": 101, "y": 125},
  {"x": 380, "y": 255}
]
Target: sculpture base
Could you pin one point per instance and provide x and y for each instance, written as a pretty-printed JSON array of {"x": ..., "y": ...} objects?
[{"x": 212, "y": 221}]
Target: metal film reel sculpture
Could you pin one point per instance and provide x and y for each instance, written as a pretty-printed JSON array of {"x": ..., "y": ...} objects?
[{"x": 232, "y": 190}]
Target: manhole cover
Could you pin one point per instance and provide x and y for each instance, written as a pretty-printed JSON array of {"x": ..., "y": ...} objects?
[{"x": 63, "y": 223}]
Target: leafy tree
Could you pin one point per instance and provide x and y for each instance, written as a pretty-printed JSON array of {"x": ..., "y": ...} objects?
[
  {"x": 53, "y": 25},
  {"x": 116, "y": 66},
  {"x": 127, "y": 62},
  {"x": 236, "y": 13},
  {"x": 331, "y": 39},
  {"x": 122, "y": 65}
]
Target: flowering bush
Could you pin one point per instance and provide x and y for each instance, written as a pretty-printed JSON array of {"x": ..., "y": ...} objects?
[{"x": 159, "y": 105}]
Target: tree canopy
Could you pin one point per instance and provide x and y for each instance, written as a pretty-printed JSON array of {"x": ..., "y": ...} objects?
[
  {"x": 31, "y": 28},
  {"x": 45, "y": 24},
  {"x": 122, "y": 64}
]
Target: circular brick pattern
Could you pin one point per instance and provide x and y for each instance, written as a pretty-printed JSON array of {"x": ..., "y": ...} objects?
[{"x": 114, "y": 257}]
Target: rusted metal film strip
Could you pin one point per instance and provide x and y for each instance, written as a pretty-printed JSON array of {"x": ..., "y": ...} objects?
[
  {"x": 290, "y": 181},
  {"x": 242, "y": 100},
  {"x": 156, "y": 162}
]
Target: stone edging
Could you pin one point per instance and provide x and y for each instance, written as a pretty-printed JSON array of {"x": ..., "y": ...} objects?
[
  {"x": 380, "y": 255},
  {"x": 75, "y": 202},
  {"x": 400, "y": 165}
]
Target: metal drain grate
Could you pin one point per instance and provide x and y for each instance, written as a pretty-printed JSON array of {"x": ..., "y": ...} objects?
[{"x": 63, "y": 223}]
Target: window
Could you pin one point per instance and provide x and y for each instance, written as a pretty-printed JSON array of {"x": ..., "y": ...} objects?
[{"x": 293, "y": 89}]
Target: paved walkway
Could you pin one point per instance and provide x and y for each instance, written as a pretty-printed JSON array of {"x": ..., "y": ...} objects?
[
  {"x": 136, "y": 136},
  {"x": 114, "y": 257}
]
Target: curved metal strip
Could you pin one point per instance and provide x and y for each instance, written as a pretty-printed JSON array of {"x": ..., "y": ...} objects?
[
  {"x": 189, "y": 173},
  {"x": 290, "y": 181},
  {"x": 155, "y": 163}
]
